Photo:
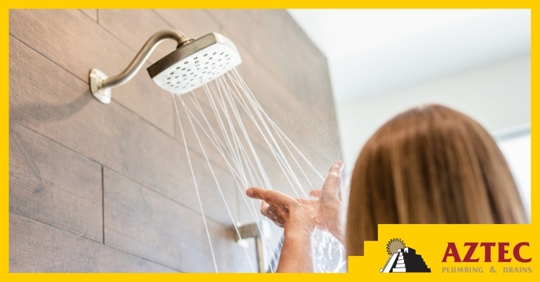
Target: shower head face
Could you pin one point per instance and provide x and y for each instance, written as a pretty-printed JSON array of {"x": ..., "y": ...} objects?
[{"x": 195, "y": 64}]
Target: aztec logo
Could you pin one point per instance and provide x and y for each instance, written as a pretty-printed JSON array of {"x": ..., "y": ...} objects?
[{"x": 403, "y": 259}]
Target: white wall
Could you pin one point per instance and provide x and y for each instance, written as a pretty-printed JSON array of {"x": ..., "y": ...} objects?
[
  {"x": 497, "y": 96},
  {"x": 517, "y": 151}
]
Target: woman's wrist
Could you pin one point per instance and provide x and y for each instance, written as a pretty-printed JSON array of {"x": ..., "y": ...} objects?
[
  {"x": 296, "y": 254},
  {"x": 300, "y": 220},
  {"x": 298, "y": 232}
]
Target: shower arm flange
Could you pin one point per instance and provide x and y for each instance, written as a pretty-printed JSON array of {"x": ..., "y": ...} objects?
[{"x": 101, "y": 85}]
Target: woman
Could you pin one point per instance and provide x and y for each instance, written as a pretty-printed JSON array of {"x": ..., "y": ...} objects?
[{"x": 427, "y": 165}]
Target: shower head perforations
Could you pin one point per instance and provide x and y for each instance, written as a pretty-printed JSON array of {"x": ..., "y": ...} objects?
[{"x": 195, "y": 64}]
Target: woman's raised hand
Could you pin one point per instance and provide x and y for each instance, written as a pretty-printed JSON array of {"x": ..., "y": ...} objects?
[{"x": 323, "y": 211}]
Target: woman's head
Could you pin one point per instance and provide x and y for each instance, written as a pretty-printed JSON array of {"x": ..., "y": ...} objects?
[{"x": 429, "y": 164}]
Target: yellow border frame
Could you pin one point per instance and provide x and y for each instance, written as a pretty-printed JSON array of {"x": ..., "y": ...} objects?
[{"x": 421, "y": 237}]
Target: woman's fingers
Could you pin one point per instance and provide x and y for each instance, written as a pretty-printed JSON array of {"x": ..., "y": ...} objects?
[
  {"x": 264, "y": 208},
  {"x": 332, "y": 185},
  {"x": 304, "y": 201},
  {"x": 272, "y": 197},
  {"x": 315, "y": 193},
  {"x": 272, "y": 213}
]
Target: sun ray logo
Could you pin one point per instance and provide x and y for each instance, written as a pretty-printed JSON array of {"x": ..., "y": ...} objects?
[{"x": 403, "y": 258}]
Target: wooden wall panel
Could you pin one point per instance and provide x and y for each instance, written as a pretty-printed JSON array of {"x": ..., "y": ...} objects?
[
  {"x": 145, "y": 223},
  {"x": 37, "y": 247},
  {"x": 132, "y": 149},
  {"x": 75, "y": 42},
  {"x": 280, "y": 46},
  {"x": 51, "y": 101},
  {"x": 135, "y": 27},
  {"x": 194, "y": 23},
  {"x": 52, "y": 184}
]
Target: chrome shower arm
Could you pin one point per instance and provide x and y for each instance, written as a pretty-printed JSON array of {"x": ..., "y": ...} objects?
[
  {"x": 142, "y": 56},
  {"x": 100, "y": 84}
]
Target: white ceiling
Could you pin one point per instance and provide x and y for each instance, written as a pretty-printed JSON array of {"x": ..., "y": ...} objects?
[{"x": 375, "y": 51}]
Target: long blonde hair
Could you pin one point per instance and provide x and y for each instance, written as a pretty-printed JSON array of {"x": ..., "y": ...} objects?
[{"x": 427, "y": 165}]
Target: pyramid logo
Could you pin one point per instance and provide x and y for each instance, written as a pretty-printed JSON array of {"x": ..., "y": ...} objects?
[{"x": 403, "y": 259}]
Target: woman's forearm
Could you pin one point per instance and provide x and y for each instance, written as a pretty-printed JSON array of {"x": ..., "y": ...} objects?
[{"x": 296, "y": 253}]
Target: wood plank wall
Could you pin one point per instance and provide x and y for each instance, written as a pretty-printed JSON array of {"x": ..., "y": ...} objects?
[{"x": 107, "y": 188}]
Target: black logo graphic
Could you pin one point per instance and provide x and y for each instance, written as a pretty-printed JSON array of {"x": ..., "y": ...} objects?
[{"x": 403, "y": 258}]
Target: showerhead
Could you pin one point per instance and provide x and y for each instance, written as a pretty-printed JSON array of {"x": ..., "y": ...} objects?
[{"x": 194, "y": 63}]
